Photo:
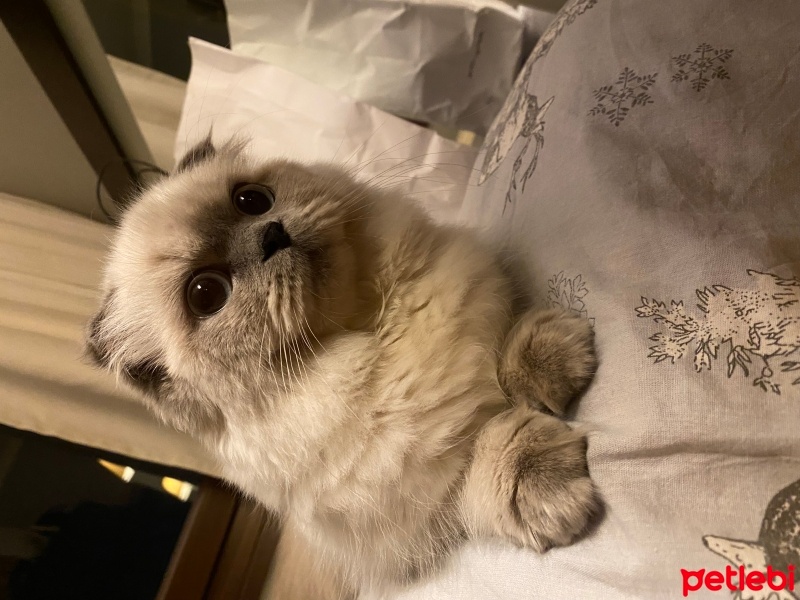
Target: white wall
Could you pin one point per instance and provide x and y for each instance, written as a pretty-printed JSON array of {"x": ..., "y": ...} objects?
[{"x": 38, "y": 156}]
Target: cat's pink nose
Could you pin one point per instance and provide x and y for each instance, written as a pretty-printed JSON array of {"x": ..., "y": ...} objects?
[{"x": 275, "y": 238}]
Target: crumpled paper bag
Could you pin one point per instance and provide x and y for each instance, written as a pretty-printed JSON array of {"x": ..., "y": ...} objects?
[
  {"x": 445, "y": 62},
  {"x": 286, "y": 116}
]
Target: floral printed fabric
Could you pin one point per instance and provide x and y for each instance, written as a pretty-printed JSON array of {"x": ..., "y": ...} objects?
[{"x": 645, "y": 174}]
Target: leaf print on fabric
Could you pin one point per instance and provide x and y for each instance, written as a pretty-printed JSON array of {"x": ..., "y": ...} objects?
[
  {"x": 524, "y": 118},
  {"x": 751, "y": 328},
  {"x": 630, "y": 90},
  {"x": 521, "y": 107},
  {"x": 702, "y": 65},
  {"x": 568, "y": 293},
  {"x": 521, "y": 117},
  {"x": 533, "y": 132},
  {"x": 778, "y": 545}
]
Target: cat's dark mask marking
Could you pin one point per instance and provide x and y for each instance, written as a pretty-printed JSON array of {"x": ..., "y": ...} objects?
[
  {"x": 96, "y": 348},
  {"x": 148, "y": 377},
  {"x": 201, "y": 152}
]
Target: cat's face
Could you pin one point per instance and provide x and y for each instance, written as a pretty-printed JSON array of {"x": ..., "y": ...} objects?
[{"x": 222, "y": 271}]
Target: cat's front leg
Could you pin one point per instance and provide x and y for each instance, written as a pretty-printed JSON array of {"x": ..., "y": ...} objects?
[
  {"x": 528, "y": 481},
  {"x": 548, "y": 358}
]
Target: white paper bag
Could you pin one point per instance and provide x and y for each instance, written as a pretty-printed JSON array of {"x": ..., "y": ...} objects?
[
  {"x": 287, "y": 116},
  {"x": 447, "y": 62}
]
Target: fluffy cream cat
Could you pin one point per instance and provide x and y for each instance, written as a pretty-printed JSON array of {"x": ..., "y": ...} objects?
[{"x": 352, "y": 364}]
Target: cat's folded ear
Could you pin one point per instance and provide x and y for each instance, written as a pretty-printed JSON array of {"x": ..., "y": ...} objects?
[
  {"x": 171, "y": 398},
  {"x": 102, "y": 348},
  {"x": 199, "y": 153}
]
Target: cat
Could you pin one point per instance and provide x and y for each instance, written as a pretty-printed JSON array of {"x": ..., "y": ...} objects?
[{"x": 354, "y": 366}]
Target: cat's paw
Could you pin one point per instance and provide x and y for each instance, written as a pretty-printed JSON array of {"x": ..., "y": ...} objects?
[
  {"x": 553, "y": 498},
  {"x": 548, "y": 358},
  {"x": 529, "y": 481}
]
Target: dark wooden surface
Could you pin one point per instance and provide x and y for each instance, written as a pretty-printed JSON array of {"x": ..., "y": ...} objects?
[
  {"x": 225, "y": 549},
  {"x": 198, "y": 550},
  {"x": 246, "y": 556}
]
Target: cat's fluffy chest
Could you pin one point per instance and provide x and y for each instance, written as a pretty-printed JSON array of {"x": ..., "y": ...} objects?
[
  {"x": 346, "y": 358},
  {"x": 380, "y": 422}
]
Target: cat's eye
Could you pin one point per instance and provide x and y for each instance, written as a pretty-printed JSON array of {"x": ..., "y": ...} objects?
[
  {"x": 253, "y": 199},
  {"x": 208, "y": 292}
]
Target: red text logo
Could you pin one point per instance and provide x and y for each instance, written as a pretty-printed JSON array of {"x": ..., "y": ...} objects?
[{"x": 738, "y": 579}]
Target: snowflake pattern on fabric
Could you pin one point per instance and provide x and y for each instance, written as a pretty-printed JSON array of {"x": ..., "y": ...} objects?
[
  {"x": 778, "y": 544},
  {"x": 630, "y": 90},
  {"x": 702, "y": 65},
  {"x": 568, "y": 293},
  {"x": 758, "y": 326}
]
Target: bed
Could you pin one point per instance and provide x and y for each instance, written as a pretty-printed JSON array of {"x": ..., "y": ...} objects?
[{"x": 644, "y": 173}]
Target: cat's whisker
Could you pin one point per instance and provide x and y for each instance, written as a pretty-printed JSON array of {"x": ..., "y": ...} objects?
[
  {"x": 360, "y": 166},
  {"x": 302, "y": 369},
  {"x": 367, "y": 139},
  {"x": 465, "y": 151},
  {"x": 419, "y": 163},
  {"x": 200, "y": 112},
  {"x": 259, "y": 364},
  {"x": 302, "y": 337}
]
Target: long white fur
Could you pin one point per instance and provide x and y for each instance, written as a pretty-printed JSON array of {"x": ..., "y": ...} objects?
[{"x": 350, "y": 403}]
